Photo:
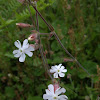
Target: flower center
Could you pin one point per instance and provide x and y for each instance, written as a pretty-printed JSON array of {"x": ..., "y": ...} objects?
[
  {"x": 58, "y": 70},
  {"x": 54, "y": 97},
  {"x": 21, "y": 50}
]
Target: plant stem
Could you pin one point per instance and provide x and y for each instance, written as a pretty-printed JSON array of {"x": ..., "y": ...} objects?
[
  {"x": 50, "y": 27},
  {"x": 41, "y": 48},
  {"x": 57, "y": 38},
  {"x": 31, "y": 16}
]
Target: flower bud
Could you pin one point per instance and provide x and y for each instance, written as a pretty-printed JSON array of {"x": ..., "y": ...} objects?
[
  {"x": 32, "y": 37},
  {"x": 23, "y": 25}
]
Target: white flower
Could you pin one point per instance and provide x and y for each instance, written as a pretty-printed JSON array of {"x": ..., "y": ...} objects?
[
  {"x": 22, "y": 50},
  {"x": 58, "y": 70},
  {"x": 54, "y": 95}
]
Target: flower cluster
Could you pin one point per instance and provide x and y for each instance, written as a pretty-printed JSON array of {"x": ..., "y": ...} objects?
[
  {"x": 54, "y": 91},
  {"x": 26, "y": 48}
]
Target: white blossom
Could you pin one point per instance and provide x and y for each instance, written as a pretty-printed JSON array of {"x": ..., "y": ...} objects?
[
  {"x": 22, "y": 50},
  {"x": 58, "y": 70},
  {"x": 54, "y": 95}
]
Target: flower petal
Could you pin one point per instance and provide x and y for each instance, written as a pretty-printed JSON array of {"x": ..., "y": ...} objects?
[
  {"x": 52, "y": 71},
  {"x": 29, "y": 53},
  {"x": 17, "y": 44},
  {"x": 46, "y": 96},
  {"x": 51, "y": 88},
  {"x": 59, "y": 91},
  {"x": 64, "y": 70},
  {"x": 54, "y": 67},
  {"x": 61, "y": 74},
  {"x": 16, "y": 53},
  {"x": 58, "y": 66},
  {"x": 22, "y": 58},
  {"x": 25, "y": 44},
  {"x": 55, "y": 75},
  {"x": 48, "y": 92},
  {"x": 30, "y": 48},
  {"x": 63, "y": 97},
  {"x": 62, "y": 67}
]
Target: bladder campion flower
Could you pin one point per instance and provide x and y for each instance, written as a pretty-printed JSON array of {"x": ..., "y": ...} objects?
[
  {"x": 22, "y": 50},
  {"x": 58, "y": 70},
  {"x": 54, "y": 95}
]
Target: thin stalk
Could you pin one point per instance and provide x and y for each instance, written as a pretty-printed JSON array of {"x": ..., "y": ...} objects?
[
  {"x": 50, "y": 27},
  {"x": 44, "y": 34},
  {"x": 31, "y": 16},
  {"x": 41, "y": 49},
  {"x": 71, "y": 82},
  {"x": 57, "y": 38},
  {"x": 37, "y": 23}
]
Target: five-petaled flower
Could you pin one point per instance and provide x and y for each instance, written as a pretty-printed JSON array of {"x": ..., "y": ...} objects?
[
  {"x": 54, "y": 95},
  {"x": 22, "y": 50},
  {"x": 58, "y": 70}
]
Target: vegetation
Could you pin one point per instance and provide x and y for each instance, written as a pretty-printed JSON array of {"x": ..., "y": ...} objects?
[{"x": 77, "y": 23}]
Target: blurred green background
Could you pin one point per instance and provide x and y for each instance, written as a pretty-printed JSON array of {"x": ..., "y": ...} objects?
[{"x": 77, "y": 23}]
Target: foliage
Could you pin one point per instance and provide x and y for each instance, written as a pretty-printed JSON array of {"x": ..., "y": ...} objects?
[{"x": 77, "y": 23}]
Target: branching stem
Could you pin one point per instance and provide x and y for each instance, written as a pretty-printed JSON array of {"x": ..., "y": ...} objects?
[
  {"x": 57, "y": 38},
  {"x": 41, "y": 48}
]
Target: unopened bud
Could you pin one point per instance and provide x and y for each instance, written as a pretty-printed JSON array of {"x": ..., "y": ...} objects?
[
  {"x": 32, "y": 37},
  {"x": 23, "y": 25}
]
